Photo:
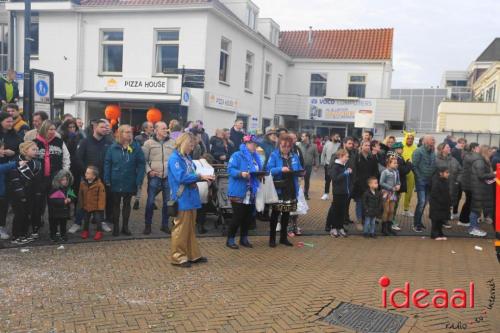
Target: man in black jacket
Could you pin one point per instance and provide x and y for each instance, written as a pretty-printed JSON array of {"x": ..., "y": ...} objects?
[
  {"x": 91, "y": 152},
  {"x": 458, "y": 153},
  {"x": 237, "y": 134}
]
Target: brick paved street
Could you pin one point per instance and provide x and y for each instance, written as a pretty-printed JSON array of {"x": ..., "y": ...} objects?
[{"x": 129, "y": 286}]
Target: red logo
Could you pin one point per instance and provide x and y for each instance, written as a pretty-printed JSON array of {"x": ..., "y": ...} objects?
[{"x": 423, "y": 298}]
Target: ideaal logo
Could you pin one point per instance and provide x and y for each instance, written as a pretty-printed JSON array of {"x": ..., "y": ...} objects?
[{"x": 439, "y": 299}]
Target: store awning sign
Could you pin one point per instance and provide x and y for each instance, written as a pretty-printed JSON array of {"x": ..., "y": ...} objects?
[
  {"x": 139, "y": 85},
  {"x": 338, "y": 110},
  {"x": 364, "y": 119},
  {"x": 220, "y": 102}
]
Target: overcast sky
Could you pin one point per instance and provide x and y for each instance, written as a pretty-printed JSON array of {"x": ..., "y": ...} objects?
[{"x": 430, "y": 36}]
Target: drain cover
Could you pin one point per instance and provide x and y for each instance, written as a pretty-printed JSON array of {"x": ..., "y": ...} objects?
[{"x": 366, "y": 320}]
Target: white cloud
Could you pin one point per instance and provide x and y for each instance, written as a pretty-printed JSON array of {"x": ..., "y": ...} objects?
[{"x": 430, "y": 36}]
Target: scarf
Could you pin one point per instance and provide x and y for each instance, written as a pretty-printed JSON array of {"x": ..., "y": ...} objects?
[
  {"x": 250, "y": 158},
  {"x": 46, "y": 156}
]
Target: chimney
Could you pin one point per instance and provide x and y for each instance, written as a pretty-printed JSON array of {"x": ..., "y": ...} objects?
[{"x": 310, "y": 37}]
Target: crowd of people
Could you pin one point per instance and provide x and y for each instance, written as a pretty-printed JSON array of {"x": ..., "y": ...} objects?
[{"x": 95, "y": 177}]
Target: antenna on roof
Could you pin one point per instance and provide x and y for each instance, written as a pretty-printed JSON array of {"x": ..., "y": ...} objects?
[{"x": 310, "y": 37}]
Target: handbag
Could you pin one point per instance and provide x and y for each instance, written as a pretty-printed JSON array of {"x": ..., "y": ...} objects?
[{"x": 173, "y": 205}]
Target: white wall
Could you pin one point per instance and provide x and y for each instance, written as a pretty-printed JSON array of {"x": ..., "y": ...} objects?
[{"x": 299, "y": 78}]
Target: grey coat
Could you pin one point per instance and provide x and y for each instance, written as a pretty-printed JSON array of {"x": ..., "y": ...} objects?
[
  {"x": 455, "y": 170},
  {"x": 310, "y": 153},
  {"x": 465, "y": 177},
  {"x": 482, "y": 193}
]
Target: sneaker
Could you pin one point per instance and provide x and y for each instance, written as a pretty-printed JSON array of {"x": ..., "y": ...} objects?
[
  {"x": 488, "y": 220},
  {"x": 85, "y": 234},
  {"x": 18, "y": 241},
  {"x": 98, "y": 236},
  {"x": 28, "y": 239},
  {"x": 105, "y": 227},
  {"x": 325, "y": 197},
  {"x": 463, "y": 224},
  {"x": 3, "y": 233},
  {"x": 417, "y": 229},
  {"x": 343, "y": 233},
  {"x": 454, "y": 216},
  {"x": 334, "y": 233},
  {"x": 396, "y": 227},
  {"x": 35, "y": 235},
  {"x": 407, "y": 213},
  {"x": 298, "y": 232},
  {"x": 477, "y": 232},
  {"x": 74, "y": 228},
  {"x": 447, "y": 225}
]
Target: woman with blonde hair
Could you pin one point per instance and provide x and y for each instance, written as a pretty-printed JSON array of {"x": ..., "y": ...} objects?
[
  {"x": 124, "y": 168},
  {"x": 182, "y": 179}
]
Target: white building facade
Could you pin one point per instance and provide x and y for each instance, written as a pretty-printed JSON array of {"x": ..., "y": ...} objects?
[{"x": 108, "y": 52}]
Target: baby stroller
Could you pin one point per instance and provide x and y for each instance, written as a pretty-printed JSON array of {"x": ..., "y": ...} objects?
[{"x": 220, "y": 201}]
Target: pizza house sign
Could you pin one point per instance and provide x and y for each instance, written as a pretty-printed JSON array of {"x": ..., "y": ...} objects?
[{"x": 142, "y": 85}]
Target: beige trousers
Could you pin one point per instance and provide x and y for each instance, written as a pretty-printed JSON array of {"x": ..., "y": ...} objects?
[{"x": 184, "y": 243}]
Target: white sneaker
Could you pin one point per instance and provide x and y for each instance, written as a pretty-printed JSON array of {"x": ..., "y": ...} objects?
[
  {"x": 407, "y": 213},
  {"x": 334, "y": 233},
  {"x": 278, "y": 226},
  {"x": 343, "y": 233},
  {"x": 454, "y": 216},
  {"x": 106, "y": 227},
  {"x": 478, "y": 232},
  {"x": 488, "y": 220},
  {"x": 325, "y": 197},
  {"x": 74, "y": 228},
  {"x": 396, "y": 227},
  {"x": 3, "y": 233},
  {"x": 462, "y": 224}
]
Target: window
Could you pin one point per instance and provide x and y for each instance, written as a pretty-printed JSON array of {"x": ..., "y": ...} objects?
[
  {"x": 357, "y": 86},
  {"x": 34, "y": 35},
  {"x": 490, "y": 93},
  {"x": 225, "y": 52},
  {"x": 267, "y": 82},
  {"x": 278, "y": 87},
  {"x": 275, "y": 35},
  {"x": 251, "y": 17},
  {"x": 318, "y": 85},
  {"x": 4, "y": 50},
  {"x": 167, "y": 50},
  {"x": 249, "y": 71},
  {"x": 112, "y": 51}
]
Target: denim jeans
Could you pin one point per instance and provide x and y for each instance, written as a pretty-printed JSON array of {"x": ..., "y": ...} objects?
[
  {"x": 156, "y": 185},
  {"x": 359, "y": 209},
  {"x": 369, "y": 227},
  {"x": 423, "y": 190},
  {"x": 473, "y": 219}
]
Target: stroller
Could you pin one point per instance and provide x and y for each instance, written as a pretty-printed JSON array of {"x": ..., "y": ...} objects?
[{"x": 220, "y": 203}]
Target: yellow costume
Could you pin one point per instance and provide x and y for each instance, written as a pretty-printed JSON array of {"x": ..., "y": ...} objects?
[{"x": 410, "y": 178}]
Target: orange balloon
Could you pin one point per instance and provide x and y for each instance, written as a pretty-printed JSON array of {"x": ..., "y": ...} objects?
[
  {"x": 112, "y": 111},
  {"x": 113, "y": 122},
  {"x": 153, "y": 115}
]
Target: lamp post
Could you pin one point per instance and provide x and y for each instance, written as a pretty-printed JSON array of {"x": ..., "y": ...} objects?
[{"x": 27, "y": 58}]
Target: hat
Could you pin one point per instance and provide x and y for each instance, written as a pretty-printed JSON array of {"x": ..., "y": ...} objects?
[
  {"x": 4, "y": 115},
  {"x": 249, "y": 139},
  {"x": 270, "y": 131},
  {"x": 397, "y": 145}
]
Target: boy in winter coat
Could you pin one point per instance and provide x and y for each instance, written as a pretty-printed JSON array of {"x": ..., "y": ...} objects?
[
  {"x": 372, "y": 207},
  {"x": 92, "y": 199},
  {"x": 61, "y": 196},
  {"x": 440, "y": 202}
]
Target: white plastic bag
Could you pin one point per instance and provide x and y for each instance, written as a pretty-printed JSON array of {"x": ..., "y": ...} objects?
[
  {"x": 203, "y": 190},
  {"x": 260, "y": 200},
  {"x": 266, "y": 194},
  {"x": 302, "y": 206}
]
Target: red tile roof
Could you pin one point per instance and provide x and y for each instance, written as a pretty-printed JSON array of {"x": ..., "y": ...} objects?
[
  {"x": 141, "y": 2},
  {"x": 365, "y": 44}
]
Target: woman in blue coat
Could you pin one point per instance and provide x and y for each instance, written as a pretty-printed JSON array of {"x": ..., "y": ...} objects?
[
  {"x": 243, "y": 187},
  {"x": 182, "y": 179},
  {"x": 282, "y": 163},
  {"x": 123, "y": 173}
]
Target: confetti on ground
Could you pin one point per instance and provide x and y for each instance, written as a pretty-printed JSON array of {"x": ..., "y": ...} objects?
[{"x": 478, "y": 248}]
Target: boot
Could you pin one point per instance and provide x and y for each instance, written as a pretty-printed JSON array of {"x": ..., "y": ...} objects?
[
  {"x": 125, "y": 230},
  {"x": 244, "y": 242},
  {"x": 272, "y": 234},
  {"x": 147, "y": 229},
  {"x": 284, "y": 235},
  {"x": 201, "y": 228},
  {"x": 231, "y": 244},
  {"x": 116, "y": 229},
  {"x": 385, "y": 227}
]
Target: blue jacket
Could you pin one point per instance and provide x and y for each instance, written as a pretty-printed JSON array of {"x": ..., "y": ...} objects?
[
  {"x": 238, "y": 186},
  {"x": 124, "y": 169},
  {"x": 268, "y": 146},
  {"x": 178, "y": 174},
  {"x": 4, "y": 168},
  {"x": 275, "y": 164}
]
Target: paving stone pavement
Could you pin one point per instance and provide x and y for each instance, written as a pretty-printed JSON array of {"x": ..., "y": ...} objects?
[{"x": 130, "y": 286}]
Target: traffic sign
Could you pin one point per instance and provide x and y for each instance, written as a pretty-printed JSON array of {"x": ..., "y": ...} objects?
[{"x": 185, "y": 96}]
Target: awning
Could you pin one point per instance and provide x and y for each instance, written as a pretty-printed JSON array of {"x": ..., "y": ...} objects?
[{"x": 125, "y": 97}]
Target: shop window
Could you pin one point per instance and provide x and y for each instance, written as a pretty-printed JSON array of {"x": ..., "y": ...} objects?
[
  {"x": 167, "y": 50},
  {"x": 318, "y": 85},
  {"x": 112, "y": 51},
  {"x": 225, "y": 54},
  {"x": 357, "y": 86}
]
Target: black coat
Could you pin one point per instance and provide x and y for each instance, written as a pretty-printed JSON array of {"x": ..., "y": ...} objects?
[
  {"x": 404, "y": 168},
  {"x": 373, "y": 204},
  {"x": 11, "y": 141},
  {"x": 366, "y": 167},
  {"x": 93, "y": 152},
  {"x": 25, "y": 182},
  {"x": 56, "y": 152},
  {"x": 236, "y": 137},
  {"x": 440, "y": 200},
  {"x": 57, "y": 208},
  {"x": 482, "y": 193},
  {"x": 218, "y": 149},
  {"x": 342, "y": 183}
]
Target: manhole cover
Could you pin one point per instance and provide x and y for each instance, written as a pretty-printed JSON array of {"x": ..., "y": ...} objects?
[{"x": 366, "y": 320}]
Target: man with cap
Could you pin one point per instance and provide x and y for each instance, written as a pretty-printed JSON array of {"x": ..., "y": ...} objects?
[{"x": 269, "y": 142}]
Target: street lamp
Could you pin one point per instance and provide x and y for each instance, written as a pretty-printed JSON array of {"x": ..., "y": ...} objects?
[{"x": 27, "y": 59}]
